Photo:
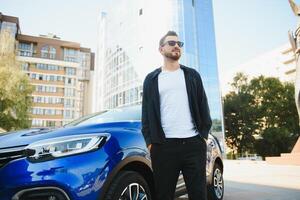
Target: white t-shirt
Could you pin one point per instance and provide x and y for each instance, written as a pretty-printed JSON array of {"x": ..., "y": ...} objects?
[{"x": 176, "y": 118}]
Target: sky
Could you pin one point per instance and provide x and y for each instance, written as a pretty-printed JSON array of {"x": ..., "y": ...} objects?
[{"x": 244, "y": 29}]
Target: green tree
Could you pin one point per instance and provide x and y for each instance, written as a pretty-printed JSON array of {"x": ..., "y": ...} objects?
[
  {"x": 15, "y": 89},
  {"x": 240, "y": 116},
  {"x": 263, "y": 107},
  {"x": 278, "y": 115}
]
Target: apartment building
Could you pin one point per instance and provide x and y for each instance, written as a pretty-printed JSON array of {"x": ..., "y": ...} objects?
[{"x": 59, "y": 70}]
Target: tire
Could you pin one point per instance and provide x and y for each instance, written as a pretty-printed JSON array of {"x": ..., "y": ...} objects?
[
  {"x": 125, "y": 180},
  {"x": 215, "y": 190}
]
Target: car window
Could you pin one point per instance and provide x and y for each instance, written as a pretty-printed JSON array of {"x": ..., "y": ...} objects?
[
  {"x": 114, "y": 115},
  {"x": 82, "y": 119}
]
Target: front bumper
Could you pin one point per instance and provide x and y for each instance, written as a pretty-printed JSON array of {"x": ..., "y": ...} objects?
[{"x": 77, "y": 177}]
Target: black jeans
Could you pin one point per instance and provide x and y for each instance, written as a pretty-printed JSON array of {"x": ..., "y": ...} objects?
[{"x": 187, "y": 155}]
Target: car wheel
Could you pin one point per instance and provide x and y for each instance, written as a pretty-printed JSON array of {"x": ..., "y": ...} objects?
[
  {"x": 216, "y": 188},
  {"x": 128, "y": 185}
]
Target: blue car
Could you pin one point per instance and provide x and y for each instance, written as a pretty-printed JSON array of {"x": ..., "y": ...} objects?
[{"x": 100, "y": 156}]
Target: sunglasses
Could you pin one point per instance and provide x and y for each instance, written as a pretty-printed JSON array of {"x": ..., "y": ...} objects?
[{"x": 172, "y": 43}]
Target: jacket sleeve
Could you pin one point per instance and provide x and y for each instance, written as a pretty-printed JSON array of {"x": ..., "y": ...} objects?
[
  {"x": 145, "y": 119},
  {"x": 204, "y": 108}
]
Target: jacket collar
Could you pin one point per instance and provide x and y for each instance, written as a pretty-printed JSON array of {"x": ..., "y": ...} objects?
[{"x": 157, "y": 71}]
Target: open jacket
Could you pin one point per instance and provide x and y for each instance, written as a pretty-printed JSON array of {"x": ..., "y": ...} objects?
[{"x": 151, "y": 121}]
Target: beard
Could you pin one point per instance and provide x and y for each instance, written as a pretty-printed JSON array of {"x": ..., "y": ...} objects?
[{"x": 174, "y": 55}]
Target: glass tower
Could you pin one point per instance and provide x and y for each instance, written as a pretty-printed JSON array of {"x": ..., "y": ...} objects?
[{"x": 128, "y": 41}]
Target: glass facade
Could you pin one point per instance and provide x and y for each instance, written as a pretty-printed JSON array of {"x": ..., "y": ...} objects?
[{"x": 128, "y": 50}]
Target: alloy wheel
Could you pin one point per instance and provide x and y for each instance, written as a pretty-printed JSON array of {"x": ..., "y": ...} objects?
[
  {"x": 218, "y": 183},
  {"x": 134, "y": 191}
]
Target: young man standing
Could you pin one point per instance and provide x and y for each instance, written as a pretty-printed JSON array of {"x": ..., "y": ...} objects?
[{"x": 175, "y": 123}]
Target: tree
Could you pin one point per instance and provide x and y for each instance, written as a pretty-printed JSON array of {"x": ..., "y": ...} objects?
[
  {"x": 263, "y": 107},
  {"x": 15, "y": 89},
  {"x": 278, "y": 114},
  {"x": 240, "y": 116}
]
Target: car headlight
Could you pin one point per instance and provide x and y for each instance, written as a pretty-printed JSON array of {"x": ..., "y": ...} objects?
[{"x": 64, "y": 146}]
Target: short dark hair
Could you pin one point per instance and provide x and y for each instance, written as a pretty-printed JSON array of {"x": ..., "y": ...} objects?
[{"x": 169, "y": 33}]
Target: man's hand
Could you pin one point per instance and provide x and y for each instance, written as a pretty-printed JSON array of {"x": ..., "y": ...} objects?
[{"x": 149, "y": 147}]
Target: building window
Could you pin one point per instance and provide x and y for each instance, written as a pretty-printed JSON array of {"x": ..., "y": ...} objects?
[
  {"x": 44, "y": 52},
  {"x": 69, "y": 103},
  {"x": 52, "y": 78},
  {"x": 71, "y": 55},
  {"x": 52, "y": 52},
  {"x": 141, "y": 11},
  {"x": 48, "y": 67},
  {"x": 25, "y": 49},
  {"x": 50, "y": 123},
  {"x": 25, "y": 66},
  {"x": 41, "y": 88},
  {"x": 68, "y": 114},
  {"x": 49, "y": 100},
  {"x": 69, "y": 92},
  {"x": 70, "y": 71},
  {"x": 48, "y": 52},
  {"x": 59, "y": 112},
  {"x": 37, "y": 122}
]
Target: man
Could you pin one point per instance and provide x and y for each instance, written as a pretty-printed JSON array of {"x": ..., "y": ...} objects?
[{"x": 175, "y": 123}]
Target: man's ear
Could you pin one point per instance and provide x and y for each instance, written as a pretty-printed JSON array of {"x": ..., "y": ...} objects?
[{"x": 160, "y": 49}]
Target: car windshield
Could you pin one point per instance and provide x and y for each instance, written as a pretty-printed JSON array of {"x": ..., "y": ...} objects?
[{"x": 132, "y": 113}]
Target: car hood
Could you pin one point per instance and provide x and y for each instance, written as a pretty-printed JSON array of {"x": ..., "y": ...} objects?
[{"x": 28, "y": 136}]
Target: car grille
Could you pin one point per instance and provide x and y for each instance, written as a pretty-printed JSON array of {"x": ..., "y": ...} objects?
[
  {"x": 9, "y": 154},
  {"x": 46, "y": 193}
]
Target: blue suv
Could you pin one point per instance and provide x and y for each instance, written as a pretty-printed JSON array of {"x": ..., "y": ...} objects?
[{"x": 100, "y": 156}]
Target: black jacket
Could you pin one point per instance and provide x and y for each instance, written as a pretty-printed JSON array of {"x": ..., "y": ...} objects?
[{"x": 151, "y": 122}]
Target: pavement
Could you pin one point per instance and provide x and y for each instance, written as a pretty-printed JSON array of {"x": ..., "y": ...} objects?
[{"x": 257, "y": 180}]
